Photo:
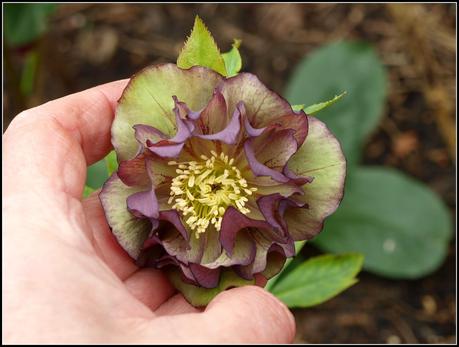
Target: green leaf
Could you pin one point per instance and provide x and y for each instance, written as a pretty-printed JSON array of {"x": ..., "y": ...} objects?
[
  {"x": 200, "y": 49},
  {"x": 318, "y": 279},
  {"x": 198, "y": 296},
  {"x": 297, "y": 108},
  {"x": 321, "y": 105},
  {"x": 233, "y": 60},
  {"x": 25, "y": 22},
  {"x": 353, "y": 67},
  {"x": 310, "y": 110},
  {"x": 29, "y": 71},
  {"x": 97, "y": 174},
  {"x": 399, "y": 225},
  {"x": 87, "y": 191},
  {"x": 111, "y": 162}
]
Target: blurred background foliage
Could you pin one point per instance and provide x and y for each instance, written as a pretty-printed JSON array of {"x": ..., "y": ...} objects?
[{"x": 396, "y": 125}]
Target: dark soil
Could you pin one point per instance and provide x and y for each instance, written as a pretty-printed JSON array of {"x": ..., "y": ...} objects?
[{"x": 91, "y": 44}]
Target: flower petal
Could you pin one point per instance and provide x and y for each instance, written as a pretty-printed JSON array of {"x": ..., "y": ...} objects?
[
  {"x": 214, "y": 117},
  {"x": 234, "y": 221},
  {"x": 258, "y": 168},
  {"x": 242, "y": 253},
  {"x": 205, "y": 277},
  {"x": 274, "y": 148},
  {"x": 230, "y": 133},
  {"x": 320, "y": 156},
  {"x": 173, "y": 217},
  {"x": 130, "y": 231},
  {"x": 133, "y": 172},
  {"x": 143, "y": 204},
  {"x": 262, "y": 105},
  {"x": 148, "y": 100},
  {"x": 169, "y": 150}
]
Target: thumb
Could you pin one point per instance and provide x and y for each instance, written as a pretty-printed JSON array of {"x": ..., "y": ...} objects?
[{"x": 251, "y": 315}]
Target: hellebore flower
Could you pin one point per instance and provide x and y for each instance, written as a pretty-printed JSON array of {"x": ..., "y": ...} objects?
[{"x": 217, "y": 175}]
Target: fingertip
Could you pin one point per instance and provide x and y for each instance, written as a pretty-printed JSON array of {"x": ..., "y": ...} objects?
[{"x": 251, "y": 314}]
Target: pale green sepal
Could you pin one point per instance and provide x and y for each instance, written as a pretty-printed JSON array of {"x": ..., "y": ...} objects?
[{"x": 198, "y": 296}]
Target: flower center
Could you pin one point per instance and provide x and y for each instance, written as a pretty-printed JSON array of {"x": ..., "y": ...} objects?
[{"x": 203, "y": 191}]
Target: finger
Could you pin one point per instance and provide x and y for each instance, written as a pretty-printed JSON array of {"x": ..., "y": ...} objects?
[
  {"x": 150, "y": 286},
  {"x": 51, "y": 145},
  {"x": 104, "y": 241},
  {"x": 249, "y": 315},
  {"x": 176, "y": 305}
]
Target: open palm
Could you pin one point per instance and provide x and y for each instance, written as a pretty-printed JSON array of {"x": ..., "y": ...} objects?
[{"x": 65, "y": 278}]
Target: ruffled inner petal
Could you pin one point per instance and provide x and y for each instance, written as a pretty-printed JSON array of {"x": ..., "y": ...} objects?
[
  {"x": 230, "y": 133},
  {"x": 143, "y": 204}
]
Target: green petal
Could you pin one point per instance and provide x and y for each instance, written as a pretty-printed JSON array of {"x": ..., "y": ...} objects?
[
  {"x": 130, "y": 231},
  {"x": 148, "y": 100},
  {"x": 321, "y": 157},
  {"x": 198, "y": 296}
]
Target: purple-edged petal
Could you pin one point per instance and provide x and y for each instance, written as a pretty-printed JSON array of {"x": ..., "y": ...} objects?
[
  {"x": 243, "y": 252},
  {"x": 184, "y": 128},
  {"x": 258, "y": 169},
  {"x": 321, "y": 157},
  {"x": 250, "y": 130},
  {"x": 144, "y": 133},
  {"x": 190, "y": 251},
  {"x": 169, "y": 150},
  {"x": 263, "y": 246},
  {"x": 262, "y": 105},
  {"x": 143, "y": 204},
  {"x": 214, "y": 117},
  {"x": 130, "y": 231},
  {"x": 231, "y": 131},
  {"x": 274, "y": 148},
  {"x": 234, "y": 221},
  {"x": 148, "y": 100},
  {"x": 173, "y": 217},
  {"x": 133, "y": 172},
  {"x": 275, "y": 260},
  {"x": 184, "y": 111},
  {"x": 295, "y": 179},
  {"x": 297, "y": 122},
  {"x": 159, "y": 171}
]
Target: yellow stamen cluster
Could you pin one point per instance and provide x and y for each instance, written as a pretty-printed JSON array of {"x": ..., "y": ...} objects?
[{"x": 203, "y": 191}]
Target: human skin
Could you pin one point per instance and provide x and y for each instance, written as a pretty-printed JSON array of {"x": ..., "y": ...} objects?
[{"x": 65, "y": 278}]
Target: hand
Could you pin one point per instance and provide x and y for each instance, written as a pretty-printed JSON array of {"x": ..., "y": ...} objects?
[{"x": 65, "y": 278}]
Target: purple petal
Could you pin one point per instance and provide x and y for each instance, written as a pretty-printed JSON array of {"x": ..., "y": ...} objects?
[
  {"x": 258, "y": 168},
  {"x": 145, "y": 132},
  {"x": 207, "y": 278},
  {"x": 231, "y": 132},
  {"x": 273, "y": 208},
  {"x": 251, "y": 131},
  {"x": 275, "y": 147},
  {"x": 214, "y": 116},
  {"x": 299, "y": 123},
  {"x": 173, "y": 217},
  {"x": 184, "y": 111},
  {"x": 298, "y": 180},
  {"x": 233, "y": 221},
  {"x": 167, "y": 151},
  {"x": 143, "y": 204},
  {"x": 184, "y": 128},
  {"x": 133, "y": 172}
]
